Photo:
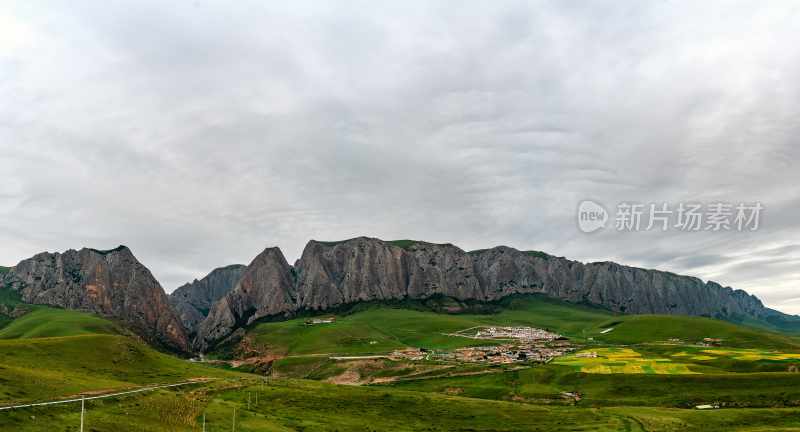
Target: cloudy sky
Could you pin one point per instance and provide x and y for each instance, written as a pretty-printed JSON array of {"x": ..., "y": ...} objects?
[{"x": 200, "y": 132}]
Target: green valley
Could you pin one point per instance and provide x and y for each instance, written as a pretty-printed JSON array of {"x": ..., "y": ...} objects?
[{"x": 647, "y": 373}]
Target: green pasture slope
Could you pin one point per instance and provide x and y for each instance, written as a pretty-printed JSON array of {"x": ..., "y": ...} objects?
[
  {"x": 50, "y": 353},
  {"x": 546, "y": 384},
  {"x": 301, "y": 405},
  {"x": 637, "y": 329},
  {"x": 378, "y": 329},
  {"x": 381, "y": 328},
  {"x": 49, "y": 322}
]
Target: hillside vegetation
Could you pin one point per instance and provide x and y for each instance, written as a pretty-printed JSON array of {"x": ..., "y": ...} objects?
[
  {"x": 380, "y": 328},
  {"x": 634, "y": 329},
  {"x": 50, "y": 353},
  {"x": 50, "y": 322},
  {"x": 376, "y": 328},
  {"x": 300, "y": 405}
]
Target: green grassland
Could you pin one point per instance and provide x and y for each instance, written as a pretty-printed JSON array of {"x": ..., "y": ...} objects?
[
  {"x": 50, "y": 353},
  {"x": 546, "y": 385},
  {"x": 641, "y": 379},
  {"x": 380, "y": 329},
  {"x": 301, "y": 405},
  {"x": 49, "y": 322},
  {"x": 636, "y": 329}
]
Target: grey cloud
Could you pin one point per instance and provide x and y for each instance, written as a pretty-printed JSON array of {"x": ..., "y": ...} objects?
[{"x": 198, "y": 133}]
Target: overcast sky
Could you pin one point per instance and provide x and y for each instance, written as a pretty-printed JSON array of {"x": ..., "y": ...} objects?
[{"x": 200, "y": 132}]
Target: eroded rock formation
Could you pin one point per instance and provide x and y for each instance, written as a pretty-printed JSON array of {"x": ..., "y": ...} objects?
[{"x": 334, "y": 274}]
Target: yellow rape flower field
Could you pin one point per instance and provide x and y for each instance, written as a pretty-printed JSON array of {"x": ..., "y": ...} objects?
[
  {"x": 738, "y": 354},
  {"x": 621, "y": 360}
]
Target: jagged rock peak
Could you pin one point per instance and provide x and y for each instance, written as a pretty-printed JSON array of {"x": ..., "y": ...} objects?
[
  {"x": 265, "y": 288},
  {"x": 193, "y": 301},
  {"x": 111, "y": 283}
]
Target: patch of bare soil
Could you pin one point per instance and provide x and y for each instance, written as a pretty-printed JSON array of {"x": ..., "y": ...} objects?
[{"x": 348, "y": 377}]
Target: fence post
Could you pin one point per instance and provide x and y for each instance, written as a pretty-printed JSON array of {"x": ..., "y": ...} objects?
[{"x": 83, "y": 408}]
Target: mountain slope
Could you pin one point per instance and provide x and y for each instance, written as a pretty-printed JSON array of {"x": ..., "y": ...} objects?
[
  {"x": 330, "y": 275},
  {"x": 49, "y": 353},
  {"x": 193, "y": 301},
  {"x": 50, "y": 322},
  {"x": 109, "y": 283},
  {"x": 263, "y": 290}
]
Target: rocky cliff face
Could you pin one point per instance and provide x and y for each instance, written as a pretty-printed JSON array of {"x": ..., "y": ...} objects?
[
  {"x": 110, "y": 283},
  {"x": 194, "y": 300},
  {"x": 265, "y": 288},
  {"x": 333, "y": 274}
]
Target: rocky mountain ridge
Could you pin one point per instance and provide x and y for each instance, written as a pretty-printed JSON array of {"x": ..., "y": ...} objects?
[
  {"x": 111, "y": 283},
  {"x": 334, "y": 274},
  {"x": 193, "y": 301}
]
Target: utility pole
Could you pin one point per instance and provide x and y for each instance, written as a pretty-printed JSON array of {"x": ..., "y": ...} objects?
[
  {"x": 83, "y": 408},
  {"x": 234, "y": 419},
  {"x": 204, "y": 422}
]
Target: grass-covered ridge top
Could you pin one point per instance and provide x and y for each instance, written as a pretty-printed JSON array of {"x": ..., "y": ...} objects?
[
  {"x": 44, "y": 321},
  {"x": 108, "y": 251},
  {"x": 402, "y": 243}
]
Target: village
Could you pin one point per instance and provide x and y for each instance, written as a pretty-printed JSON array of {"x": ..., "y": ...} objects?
[{"x": 526, "y": 344}]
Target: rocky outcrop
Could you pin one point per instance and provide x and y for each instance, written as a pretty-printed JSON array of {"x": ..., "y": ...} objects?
[
  {"x": 265, "y": 289},
  {"x": 193, "y": 301},
  {"x": 334, "y": 274},
  {"x": 110, "y": 283}
]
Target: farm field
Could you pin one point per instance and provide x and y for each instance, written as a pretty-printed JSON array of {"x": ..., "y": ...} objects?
[{"x": 622, "y": 360}]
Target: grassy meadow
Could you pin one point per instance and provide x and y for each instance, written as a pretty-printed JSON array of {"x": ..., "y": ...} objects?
[
  {"x": 50, "y": 353},
  {"x": 302, "y": 405},
  {"x": 648, "y": 374},
  {"x": 380, "y": 329}
]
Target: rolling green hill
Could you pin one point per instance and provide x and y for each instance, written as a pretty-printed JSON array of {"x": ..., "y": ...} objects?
[
  {"x": 635, "y": 329},
  {"x": 381, "y": 328},
  {"x": 50, "y": 353},
  {"x": 300, "y": 405},
  {"x": 376, "y": 328},
  {"x": 49, "y": 322}
]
